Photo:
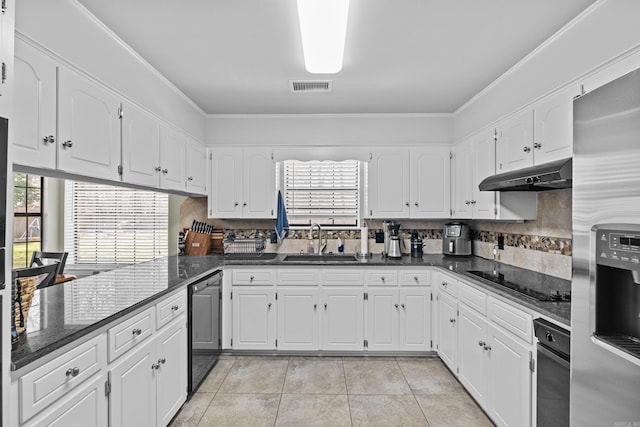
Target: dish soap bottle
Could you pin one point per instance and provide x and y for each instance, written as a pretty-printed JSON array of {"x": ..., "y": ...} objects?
[
  {"x": 310, "y": 250},
  {"x": 340, "y": 246}
]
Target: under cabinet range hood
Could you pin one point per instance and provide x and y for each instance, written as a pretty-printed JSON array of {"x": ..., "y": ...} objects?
[{"x": 547, "y": 176}]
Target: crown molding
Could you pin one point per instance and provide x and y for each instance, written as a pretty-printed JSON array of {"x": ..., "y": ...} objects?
[{"x": 331, "y": 116}]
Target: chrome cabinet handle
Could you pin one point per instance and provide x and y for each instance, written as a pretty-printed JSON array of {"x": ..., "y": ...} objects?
[
  {"x": 403, "y": 307},
  {"x": 251, "y": 279},
  {"x": 473, "y": 202},
  {"x": 487, "y": 347},
  {"x": 244, "y": 204},
  {"x": 407, "y": 204},
  {"x": 165, "y": 171},
  {"x": 235, "y": 204},
  {"x": 269, "y": 306},
  {"x": 72, "y": 372},
  {"x": 325, "y": 307},
  {"x": 315, "y": 307},
  {"x": 396, "y": 305},
  {"x": 190, "y": 178},
  {"x": 162, "y": 361},
  {"x": 49, "y": 139},
  {"x": 155, "y": 366},
  {"x": 136, "y": 331},
  {"x": 416, "y": 203},
  {"x": 174, "y": 308},
  {"x": 452, "y": 320},
  {"x": 537, "y": 146},
  {"x": 158, "y": 168},
  {"x": 415, "y": 278},
  {"x": 526, "y": 149},
  {"x": 382, "y": 278},
  {"x": 467, "y": 202},
  {"x": 67, "y": 144},
  {"x": 445, "y": 284},
  {"x": 481, "y": 343}
]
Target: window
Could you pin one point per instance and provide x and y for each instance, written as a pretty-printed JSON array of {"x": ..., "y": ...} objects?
[
  {"x": 27, "y": 217},
  {"x": 113, "y": 225},
  {"x": 324, "y": 192}
]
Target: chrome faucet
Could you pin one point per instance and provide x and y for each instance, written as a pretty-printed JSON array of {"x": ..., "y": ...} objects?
[{"x": 321, "y": 246}]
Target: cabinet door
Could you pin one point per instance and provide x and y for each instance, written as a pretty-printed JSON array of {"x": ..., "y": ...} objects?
[
  {"x": 383, "y": 311},
  {"x": 297, "y": 319},
  {"x": 84, "y": 407},
  {"x": 342, "y": 319},
  {"x": 140, "y": 147},
  {"x": 463, "y": 180},
  {"x": 171, "y": 377},
  {"x": 389, "y": 184},
  {"x": 447, "y": 330},
  {"x": 34, "y": 118},
  {"x": 132, "y": 401},
  {"x": 173, "y": 145},
  {"x": 253, "y": 318},
  {"x": 225, "y": 191},
  {"x": 430, "y": 188},
  {"x": 509, "y": 394},
  {"x": 415, "y": 318},
  {"x": 472, "y": 339},
  {"x": 258, "y": 186},
  {"x": 554, "y": 127},
  {"x": 89, "y": 127},
  {"x": 515, "y": 142},
  {"x": 196, "y": 168},
  {"x": 484, "y": 165}
]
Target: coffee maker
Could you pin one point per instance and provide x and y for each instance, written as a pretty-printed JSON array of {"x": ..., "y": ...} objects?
[
  {"x": 392, "y": 239},
  {"x": 456, "y": 239}
]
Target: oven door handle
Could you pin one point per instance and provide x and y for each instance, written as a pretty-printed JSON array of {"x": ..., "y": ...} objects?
[{"x": 554, "y": 356}]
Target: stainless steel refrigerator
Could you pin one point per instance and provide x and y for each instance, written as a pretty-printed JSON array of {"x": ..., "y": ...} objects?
[
  {"x": 605, "y": 310},
  {"x": 4, "y": 329}
]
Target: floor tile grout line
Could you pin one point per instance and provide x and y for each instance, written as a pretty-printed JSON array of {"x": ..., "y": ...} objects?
[
  {"x": 284, "y": 381},
  {"x": 404, "y": 375},
  {"x": 217, "y": 390},
  {"x": 346, "y": 388}
]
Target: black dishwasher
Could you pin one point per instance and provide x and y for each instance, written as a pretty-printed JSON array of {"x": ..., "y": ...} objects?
[
  {"x": 554, "y": 346},
  {"x": 204, "y": 328}
]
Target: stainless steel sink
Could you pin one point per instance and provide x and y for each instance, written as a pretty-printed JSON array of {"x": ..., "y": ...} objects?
[
  {"x": 251, "y": 257},
  {"x": 321, "y": 258}
]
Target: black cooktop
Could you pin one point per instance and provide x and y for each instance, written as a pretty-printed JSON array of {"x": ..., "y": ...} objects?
[{"x": 523, "y": 283}]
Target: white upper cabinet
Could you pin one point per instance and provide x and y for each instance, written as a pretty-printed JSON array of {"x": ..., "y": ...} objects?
[
  {"x": 242, "y": 183},
  {"x": 89, "y": 127},
  {"x": 430, "y": 185},
  {"x": 463, "y": 182},
  {"x": 196, "y": 168},
  {"x": 34, "y": 122},
  {"x": 409, "y": 183},
  {"x": 140, "y": 147},
  {"x": 389, "y": 184},
  {"x": 554, "y": 127},
  {"x": 515, "y": 142},
  {"x": 173, "y": 145}
]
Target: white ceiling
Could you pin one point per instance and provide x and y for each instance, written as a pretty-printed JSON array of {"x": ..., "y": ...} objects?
[{"x": 401, "y": 56}]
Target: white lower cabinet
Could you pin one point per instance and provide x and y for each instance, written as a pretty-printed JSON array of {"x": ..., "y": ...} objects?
[
  {"x": 298, "y": 324},
  {"x": 447, "y": 319},
  {"x": 472, "y": 363},
  {"x": 343, "y": 318},
  {"x": 415, "y": 319},
  {"x": 254, "y": 325},
  {"x": 149, "y": 385},
  {"x": 382, "y": 318}
]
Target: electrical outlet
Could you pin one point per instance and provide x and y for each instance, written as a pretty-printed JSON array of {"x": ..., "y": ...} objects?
[
  {"x": 273, "y": 238},
  {"x": 500, "y": 241}
]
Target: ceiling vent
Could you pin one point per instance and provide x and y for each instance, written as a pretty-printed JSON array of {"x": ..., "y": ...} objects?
[{"x": 311, "y": 85}]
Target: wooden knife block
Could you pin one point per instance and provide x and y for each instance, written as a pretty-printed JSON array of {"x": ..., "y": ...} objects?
[{"x": 197, "y": 243}]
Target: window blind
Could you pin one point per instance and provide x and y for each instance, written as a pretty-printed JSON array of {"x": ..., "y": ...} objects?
[
  {"x": 112, "y": 225},
  {"x": 322, "y": 191}
]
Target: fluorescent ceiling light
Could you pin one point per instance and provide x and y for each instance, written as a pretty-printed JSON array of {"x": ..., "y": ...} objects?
[{"x": 323, "y": 25}]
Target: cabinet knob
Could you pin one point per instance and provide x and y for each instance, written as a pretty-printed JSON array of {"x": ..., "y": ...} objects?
[
  {"x": 481, "y": 343},
  {"x": 158, "y": 168},
  {"x": 244, "y": 204},
  {"x": 382, "y": 278},
  {"x": 136, "y": 331},
  {"x": 315, "y": 307},
  {"x": 473, "y": 202},
  {"x": 416, "y": 203},
  {"x": 325, "y": 307},
  {"x": 162, "y": 361},
  {"x": 407, "y": 204},
  {"x": 445, "y": 284},
  {"x": 155, "y": 366},
  {"x": 174, "y": 308},
  {"x": 251, "y": 279},
  {"x": 452, "y": 320},
  {"x": 235, "y": 204},
  {"x": 269, "y": 306},
  {"x": 467, "y": 202},
  {"x": 165, "y": 171},
  {"x": 67, "y": 144},
  {"x": 50, "y": 139},
  {"x": 415, "y": 278},
  {"x": 537, "y": 145},
  {"x": 396, "y": 306},
  {"x": 403, "y": 307},
  {"x": 487, "y": 347},
  {"x": 72, "y": 372},
  {"x": 190, "y": 178},
  {"x": 526, "y": 149}
]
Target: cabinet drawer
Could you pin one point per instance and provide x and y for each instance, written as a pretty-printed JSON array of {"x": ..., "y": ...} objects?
[
  {"x": 512, "y": 319},
  {"x": 130, "y": 333},
  {"x": 421, "y": 278},
  {"x": 297, "y": 276},
  {"x": 472, "y": 297},
  {"x": 170, "y": 308},
  {"x": 382, "y": 278},
  {"x": 51, "y": 381},
  {"x": 253, "y": 277},
  {"x": 341, "y": 277},
  {"x": 446, "y": 284}
]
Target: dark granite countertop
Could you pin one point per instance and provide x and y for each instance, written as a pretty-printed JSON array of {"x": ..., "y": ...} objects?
[
  {"x": 63, "y": 313},
  {"x": 66, "y": 312}
]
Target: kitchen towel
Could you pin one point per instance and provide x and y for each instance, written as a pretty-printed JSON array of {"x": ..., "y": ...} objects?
[{"x": 282, "y": 223}]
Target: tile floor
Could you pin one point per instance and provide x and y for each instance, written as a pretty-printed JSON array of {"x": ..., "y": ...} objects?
[{"x": 330, "y": 391}]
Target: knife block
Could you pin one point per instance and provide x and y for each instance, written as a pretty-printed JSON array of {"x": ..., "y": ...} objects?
[{"x": 197, "y": 243}]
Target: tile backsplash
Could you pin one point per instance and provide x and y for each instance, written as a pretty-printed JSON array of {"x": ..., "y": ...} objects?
[{"x": 543, "y": 245}]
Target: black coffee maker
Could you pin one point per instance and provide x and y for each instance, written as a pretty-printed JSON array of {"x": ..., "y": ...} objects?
[{"x": 416, "y": 245}]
